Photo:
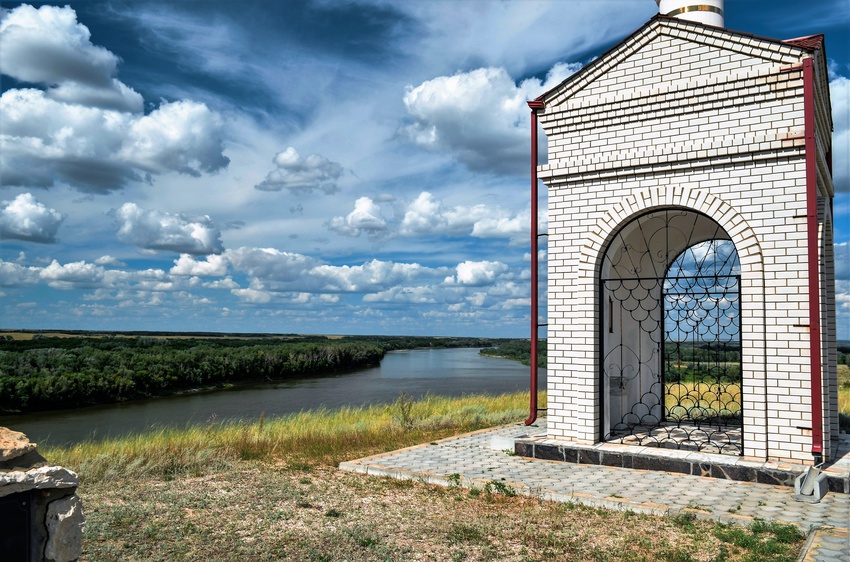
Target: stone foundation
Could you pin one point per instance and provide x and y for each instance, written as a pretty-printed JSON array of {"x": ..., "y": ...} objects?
[{"x": 40, "y": 512}]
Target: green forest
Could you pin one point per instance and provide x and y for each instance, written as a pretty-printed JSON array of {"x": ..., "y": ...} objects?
[
  {"x": 53, "y": 371},
  {"x": 518, "y": 350}
]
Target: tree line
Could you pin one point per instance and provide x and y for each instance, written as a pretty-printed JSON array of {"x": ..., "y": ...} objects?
[
  {"x": 65, "y": 372},
  {"x": 518, "y": 350}
]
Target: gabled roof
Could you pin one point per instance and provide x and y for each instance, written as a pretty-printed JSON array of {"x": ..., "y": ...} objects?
[
  {"x": 765, "y": 47},
  {"x": 810, "y": 43}
]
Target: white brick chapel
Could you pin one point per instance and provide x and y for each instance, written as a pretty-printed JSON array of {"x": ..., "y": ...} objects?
[{"x": 691, "y": 294}]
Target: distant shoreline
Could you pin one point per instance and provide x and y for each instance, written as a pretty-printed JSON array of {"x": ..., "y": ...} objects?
[{"x": 61, "y": 370}]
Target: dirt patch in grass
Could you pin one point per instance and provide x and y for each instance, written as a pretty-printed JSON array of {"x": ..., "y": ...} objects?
[{"x": 277, "y": 511}]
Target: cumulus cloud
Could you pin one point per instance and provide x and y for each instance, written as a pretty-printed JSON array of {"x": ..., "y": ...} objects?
[
  {"x": 253, "y": 296},
  {"x": 427, "y": 215},
  {"x": 44, "y": 141},
  {"x": 226, "y": 283},
  {"x": 415, "y": 295},
  {"x": 270, "y": 269},
  {"x": 109, "y": 260},
  {"x": 502, "y": 226},
  {"x": 371, "y": 276},
  {"x": 24, "y": 218},
  {"x": 477, "y": 273},
  {"x": 839, "y": 89},
  {"x": 302, "y": 175},
  {"x": 270, "y": 264},
  {"x": 214, "y": 265},
  {"x": 87, "y": 129},
  {"x": 74, "y": 275},
  {"x": 183, "y": 136},
  {"x": 842, "y": 261},
  {"x": 16, "y": 275},
  {"x": 480, "y": 116},
  {"x": 364, "y": 219},
  {"x": 157, "y": 230},
  {"x": 48, "y": 46}
]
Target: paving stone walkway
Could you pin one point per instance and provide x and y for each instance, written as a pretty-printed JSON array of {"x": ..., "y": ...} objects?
[{"x": 487, "y": 456}]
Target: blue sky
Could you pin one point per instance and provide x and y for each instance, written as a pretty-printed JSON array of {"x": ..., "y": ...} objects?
[{"x": 306, "y": 166}]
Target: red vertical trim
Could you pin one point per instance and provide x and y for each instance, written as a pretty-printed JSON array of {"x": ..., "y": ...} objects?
[
  {"x": 813, "y": 251},
  {"x": 532, "y": 416}
]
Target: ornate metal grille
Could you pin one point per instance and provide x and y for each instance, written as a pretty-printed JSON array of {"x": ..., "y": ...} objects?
[{"x": 671, "y": 337}]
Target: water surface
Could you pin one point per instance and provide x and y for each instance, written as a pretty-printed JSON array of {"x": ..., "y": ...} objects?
[{"x": 447, "y": 372}]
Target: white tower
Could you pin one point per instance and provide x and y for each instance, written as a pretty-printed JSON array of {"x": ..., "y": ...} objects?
[{"x": 709, "y": 12}]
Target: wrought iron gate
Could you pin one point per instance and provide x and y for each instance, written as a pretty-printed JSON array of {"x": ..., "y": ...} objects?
[{"x": 671, "y": 337}]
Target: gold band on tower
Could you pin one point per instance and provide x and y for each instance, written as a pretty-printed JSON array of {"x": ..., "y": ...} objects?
[{"x": 696, "y": 8}]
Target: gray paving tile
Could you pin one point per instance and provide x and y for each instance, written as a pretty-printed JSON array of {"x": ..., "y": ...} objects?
[{"x": 472, "y": 457}]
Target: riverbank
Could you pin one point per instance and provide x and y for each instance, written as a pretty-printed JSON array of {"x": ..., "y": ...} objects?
[
  {"x": 314, "y": 437},
  {"x": 270, "y": 491},
  {"x": 59, "y": 371}
]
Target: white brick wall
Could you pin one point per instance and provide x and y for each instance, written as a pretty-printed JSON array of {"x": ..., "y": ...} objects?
[{"x": 685, "y": 116}]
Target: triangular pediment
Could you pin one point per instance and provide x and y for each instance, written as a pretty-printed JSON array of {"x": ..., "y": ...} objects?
[{"x": 660, "y": 50}]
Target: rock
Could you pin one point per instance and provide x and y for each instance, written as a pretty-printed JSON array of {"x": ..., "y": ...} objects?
[
  {"x": 13, "y": 444},
  {"x": 31, "y": 460},
  {"x": 65, "y": 524},
  {"x": 42, "y": 478}
]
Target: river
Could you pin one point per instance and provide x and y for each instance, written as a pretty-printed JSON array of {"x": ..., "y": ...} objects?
[{"x": 447, "y": 372}]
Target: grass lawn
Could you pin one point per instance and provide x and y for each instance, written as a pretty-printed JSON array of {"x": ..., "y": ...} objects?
[
  {"x": 844, "y": 389},
  {"x": 271, "y": 491}
]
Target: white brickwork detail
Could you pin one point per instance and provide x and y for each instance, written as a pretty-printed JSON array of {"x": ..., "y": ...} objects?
[{"x": 690, "y": 117}]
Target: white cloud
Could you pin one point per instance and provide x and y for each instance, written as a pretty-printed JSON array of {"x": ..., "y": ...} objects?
[
  {"x": 477, "y": 273},
  {"x": 73, "y": 275},
  {"x": 427, "y": 215},
  {"x": 24, "y": 218},
  {"x": 273, "y": 270},
  {"x": 253, "y": 296},
  {"x": 523, "y": 303},
  {"x": 842, "y": 261},
  {"x": 270, "y": 264},
  {"x": 480, "y": 117},
  {"x": 842, "y": 308},
  {"x": 839, "y": 89},
  {"x": 213, "y": 266},
  {"x": 373, "y": 275},
  {"x": 45, "y": 141},
  {"x": 310, "y": 299},
  {"x": 119, "y": 97},
  {"x": 48, "y": 46},
  {"x": 226, "y": 283},
  {"x": 414, "y": 295},
  {"x": 365, "y": 218},
  {"x": 182, "y": 136},
  {"x": 477, "y": 299},
  {"x": 519, "y": 34},
  {"x": 157, "y": 230},
  {"x": 504, "y": 226},
  {"x": 109, "y": 260},
  {"x": 302, "y": 175},
  {"x": 16, "y": 275},
  {"x": 87, "y": 129}
]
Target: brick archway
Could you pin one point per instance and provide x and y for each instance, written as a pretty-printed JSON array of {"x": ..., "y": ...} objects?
[{"x": 752, "y": 285}]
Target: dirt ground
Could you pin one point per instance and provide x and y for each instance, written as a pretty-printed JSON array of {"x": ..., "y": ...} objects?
[{"x": 261, "y": 511}]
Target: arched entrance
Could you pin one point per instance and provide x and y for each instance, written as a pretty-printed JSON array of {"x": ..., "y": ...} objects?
[{"x": 671, "y": 335}]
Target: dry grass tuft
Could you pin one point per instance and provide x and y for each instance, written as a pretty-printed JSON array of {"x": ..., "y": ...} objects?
[
  {"x": 262, "y": 511},
  {"x": 318, "y": 437},
  {"x": 269, "y": 491}
]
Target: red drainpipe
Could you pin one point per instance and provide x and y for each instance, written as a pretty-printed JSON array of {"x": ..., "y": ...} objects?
[
  {"x": 813, "y": 251},
  {"x": 532, "y": 417}
]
